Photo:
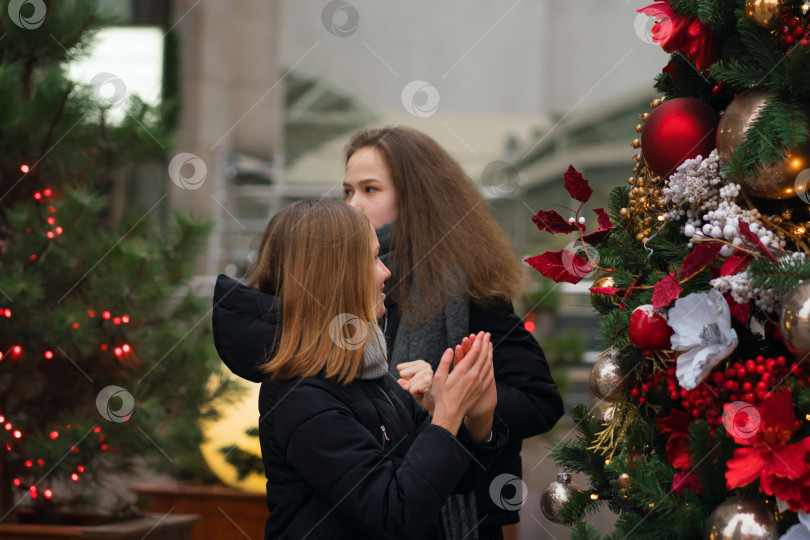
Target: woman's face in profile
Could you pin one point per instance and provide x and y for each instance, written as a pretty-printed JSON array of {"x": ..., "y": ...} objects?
[
  {"x": 369, "y": 187},
  {"x": 381, "y": 273}
]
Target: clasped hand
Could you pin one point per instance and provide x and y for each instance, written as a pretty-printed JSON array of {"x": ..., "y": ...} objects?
[{"x": 467, "y": 393}]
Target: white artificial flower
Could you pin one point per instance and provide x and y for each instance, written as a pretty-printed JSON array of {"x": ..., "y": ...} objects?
[{"x": 702, "y": 326}]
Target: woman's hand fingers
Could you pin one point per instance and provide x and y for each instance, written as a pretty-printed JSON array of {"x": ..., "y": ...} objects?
[
  {"x": 404, "y": 384},
  {"x": 409, "y": 369},
  {"x": 444, "y": 366}
]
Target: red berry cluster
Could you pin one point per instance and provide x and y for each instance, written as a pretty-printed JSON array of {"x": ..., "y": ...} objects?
[
  {"x": 750, "y": 381},
  {"x": 791, "y": 31}
]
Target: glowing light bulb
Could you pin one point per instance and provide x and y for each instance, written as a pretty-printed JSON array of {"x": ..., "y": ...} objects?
[
  {"x": 48, "y": 493},
  {"x": 17, "y": 349},
  {"x": 74, "y": 477},
  {"x": 126, "y": 348},
  {"x": 54, "y": 435},
  {"x": 48, "y": 354},
  {"x": 37, "y": 195},
  {"x": 25, "y": 168},
  {"x": 106, "y": 315},
  {"x": 17, "y": 434}
]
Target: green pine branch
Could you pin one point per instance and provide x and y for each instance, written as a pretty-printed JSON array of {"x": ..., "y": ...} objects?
[{"x": 780, "y": 276}]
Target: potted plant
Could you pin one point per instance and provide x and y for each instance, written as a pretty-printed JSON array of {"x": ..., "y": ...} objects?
[{"x": 105, "y": 357}]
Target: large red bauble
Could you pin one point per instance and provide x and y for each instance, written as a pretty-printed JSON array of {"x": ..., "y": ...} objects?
[
  {"x": 649, "y": 329},
  {"x": 677, "y": 130}
]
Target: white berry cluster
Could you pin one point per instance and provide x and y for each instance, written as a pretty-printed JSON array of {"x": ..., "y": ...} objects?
[
  {"x": 697, "y": 192},
  {"x": 694, "y": 189},
  {"x": 742, "y": 291}
]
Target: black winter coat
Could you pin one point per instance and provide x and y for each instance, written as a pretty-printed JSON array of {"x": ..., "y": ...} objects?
[
  {"x": 343, "y": 462},
  {"x": 528, "y": 399}
]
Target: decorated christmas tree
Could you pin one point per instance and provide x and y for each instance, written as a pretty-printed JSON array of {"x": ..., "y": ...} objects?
[
  {"x": 104, "y": 361},
  {"x": 702, "y": 273}
]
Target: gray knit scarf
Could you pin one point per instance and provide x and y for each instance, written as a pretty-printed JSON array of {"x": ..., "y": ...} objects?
[
  {"x": 375, "y": 358},
  {"x": 428, "y": 340}
]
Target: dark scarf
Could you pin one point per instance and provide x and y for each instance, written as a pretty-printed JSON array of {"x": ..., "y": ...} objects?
[{"x": 428, "y": 340}]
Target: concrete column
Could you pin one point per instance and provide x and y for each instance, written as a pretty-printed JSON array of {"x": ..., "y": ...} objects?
[{"x": 232, "y": 100}]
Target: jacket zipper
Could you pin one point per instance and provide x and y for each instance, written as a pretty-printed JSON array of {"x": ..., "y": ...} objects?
[{"x": 382, "y": 427}]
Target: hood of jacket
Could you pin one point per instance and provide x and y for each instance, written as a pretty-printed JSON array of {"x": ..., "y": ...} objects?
[{"x": 247, "y": 326}]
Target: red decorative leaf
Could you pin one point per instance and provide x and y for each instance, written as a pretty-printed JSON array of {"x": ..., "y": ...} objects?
[
  {"x": 665, "y": 291},
  {"x": 735, "y": 264},
  {"x": 553, "y": 222},
  {"x": 610, "y": 291},
  {"x": 745, "y": 232},
  {"x": 603, "y": 219},
  {"x": 703, "y": 254},
  {"x": 740, "y": 312},
  {"x": 576, "y": 186},
  {"x": 561, "y": 266},
  {"x": 597, "y": 237}
]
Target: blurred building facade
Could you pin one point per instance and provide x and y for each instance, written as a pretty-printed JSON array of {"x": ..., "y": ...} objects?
[{"x": 270, "y": 91}]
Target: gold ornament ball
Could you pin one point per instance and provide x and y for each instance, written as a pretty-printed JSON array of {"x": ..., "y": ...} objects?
[
  {"x": 624, "y": 480},
  {"x": 775, "y": 181},
  {"x": 607, "y": 379},
  {"x": 741, "y": 518},
  {"x": 764, "y": 12},
  {"x": 794, "y": 320},
  {"x": 605, "y": 281},
  {"x": 556, "y": 495}
]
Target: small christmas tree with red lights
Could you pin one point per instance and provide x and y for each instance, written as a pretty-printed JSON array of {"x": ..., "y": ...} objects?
[{"x": 103, "y": 360}]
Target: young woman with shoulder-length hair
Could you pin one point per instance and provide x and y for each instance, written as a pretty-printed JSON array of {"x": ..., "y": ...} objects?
[
  {"x": 453, "y": 273},
  {"x": 347, "y": 451}
]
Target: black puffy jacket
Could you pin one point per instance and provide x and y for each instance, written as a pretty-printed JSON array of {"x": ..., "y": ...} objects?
[
  {"x": 528, "y": 399},
  {"x": 350, "y": 462}
]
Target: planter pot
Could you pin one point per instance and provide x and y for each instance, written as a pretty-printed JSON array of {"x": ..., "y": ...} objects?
[
  {"x": 165, "y": 526},
  {"x": 224, "y": 512}
]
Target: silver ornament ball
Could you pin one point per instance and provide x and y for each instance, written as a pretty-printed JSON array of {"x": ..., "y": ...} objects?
[
  {"x": 741, "y": 518},
  {"x": 556, "y": 495},
  {"x": 794, "y": 321},
  {"x": 607, "y": 380}
]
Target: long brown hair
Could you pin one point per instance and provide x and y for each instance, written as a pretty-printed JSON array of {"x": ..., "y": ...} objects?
[
  {"x": 316, "y": 256},
  {"x": 444, "y": 228}
]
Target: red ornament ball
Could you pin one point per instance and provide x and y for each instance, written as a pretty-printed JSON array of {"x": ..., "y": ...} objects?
[
  {"x": 677, "y": 130},
  {"x": 649, "y": 329}
]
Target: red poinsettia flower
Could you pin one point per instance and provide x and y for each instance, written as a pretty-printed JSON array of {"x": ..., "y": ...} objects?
[
  {"x": 783, "y": 468},
  {"x": 685, "y": 34},
  {"x": 677, "y": 425}
]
